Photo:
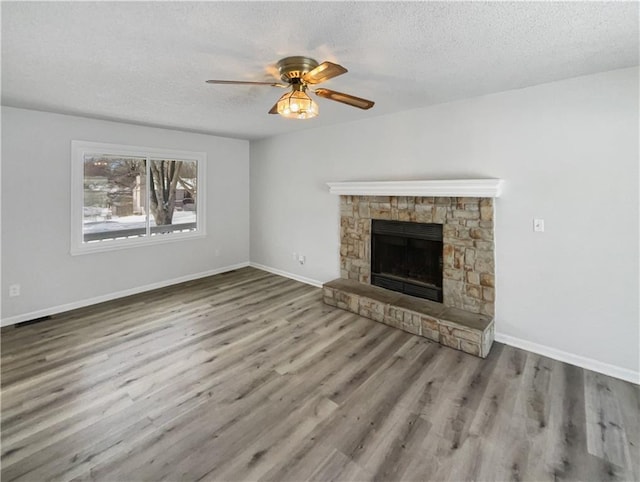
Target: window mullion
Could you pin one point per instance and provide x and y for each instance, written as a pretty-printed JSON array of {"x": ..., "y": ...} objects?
[{"x": 147, "y": 197}]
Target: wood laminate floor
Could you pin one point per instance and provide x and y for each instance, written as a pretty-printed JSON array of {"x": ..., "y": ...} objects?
[{"x": 249, "y": 376}]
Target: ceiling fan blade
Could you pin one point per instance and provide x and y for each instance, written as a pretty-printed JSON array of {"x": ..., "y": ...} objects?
[
  {"x": 242, "y": 82},
  {"x": 274, "y": 109},
  {"x": 324, "y": 71},
  {"x": 345, "y": 98}
]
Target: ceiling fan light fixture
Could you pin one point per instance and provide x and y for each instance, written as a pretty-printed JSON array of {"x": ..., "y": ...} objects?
[
  {"x": 298, "y": 73},
  {"x": 297, "y": 104}
]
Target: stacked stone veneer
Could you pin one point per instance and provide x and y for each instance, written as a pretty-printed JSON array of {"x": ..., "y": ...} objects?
[{"x": 468, "y": 246}]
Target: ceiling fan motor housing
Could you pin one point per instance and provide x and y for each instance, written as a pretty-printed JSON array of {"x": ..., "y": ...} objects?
[{"x": 295, "y": 67}]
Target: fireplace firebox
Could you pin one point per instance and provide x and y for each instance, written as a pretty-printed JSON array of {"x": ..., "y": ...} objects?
[{"x": 407, "y": 257}]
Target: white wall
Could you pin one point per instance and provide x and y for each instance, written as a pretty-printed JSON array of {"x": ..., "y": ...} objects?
[
  {"x": 568, "y": 152},
  {"x": 36, "y": 163}
]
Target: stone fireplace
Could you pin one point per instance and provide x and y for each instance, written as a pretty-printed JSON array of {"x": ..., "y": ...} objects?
[
  {"x": 457, "y": 217},
  {"x": 467, "y": 253}
]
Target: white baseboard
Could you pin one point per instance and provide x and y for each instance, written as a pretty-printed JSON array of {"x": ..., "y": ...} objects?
[
  {"x": 563, "y": 356},
  {"x": 118, "y": 294},
  {"x": 286, "y": 274}
]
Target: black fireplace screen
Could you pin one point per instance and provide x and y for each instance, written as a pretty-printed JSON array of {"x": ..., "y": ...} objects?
[{"x": 407, "y": 257}]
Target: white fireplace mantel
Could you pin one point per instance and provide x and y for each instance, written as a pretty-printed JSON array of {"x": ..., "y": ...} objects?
[{"x": 436, "y": 188}]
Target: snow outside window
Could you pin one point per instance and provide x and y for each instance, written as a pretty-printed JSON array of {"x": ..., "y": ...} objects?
[{"x": 126, "y": 196}]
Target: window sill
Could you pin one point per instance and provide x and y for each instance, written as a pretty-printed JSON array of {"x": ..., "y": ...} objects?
[{"x": 119, "y": 244}]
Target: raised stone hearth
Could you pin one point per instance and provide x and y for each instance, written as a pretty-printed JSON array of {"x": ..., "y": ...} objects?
[{"x": 469, "y": 332}]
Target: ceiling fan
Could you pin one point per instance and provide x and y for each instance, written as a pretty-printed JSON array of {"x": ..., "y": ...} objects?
[{"x": 299, "y": 73}]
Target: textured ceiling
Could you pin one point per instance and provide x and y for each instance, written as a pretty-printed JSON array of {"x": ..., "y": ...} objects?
[{"x": 147, "y": 62}]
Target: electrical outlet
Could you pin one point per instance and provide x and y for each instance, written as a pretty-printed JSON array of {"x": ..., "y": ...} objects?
[
  {"x": 14, "y": 290},
  {"x": 538, "y": 225},
  {"x": 301, "y": 259}
]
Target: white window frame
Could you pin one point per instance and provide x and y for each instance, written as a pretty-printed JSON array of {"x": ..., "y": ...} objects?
[{"x": 78, "y": 151}]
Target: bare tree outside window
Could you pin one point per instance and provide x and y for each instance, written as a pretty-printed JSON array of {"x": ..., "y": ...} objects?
[
  {"x": 173, "y": 184},
  {"x": 116, "y": 203},
  {"x": 124, "y": 196}
]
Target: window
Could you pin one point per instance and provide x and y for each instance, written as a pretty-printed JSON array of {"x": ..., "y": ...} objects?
[{"x": 124, "y": 196}]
